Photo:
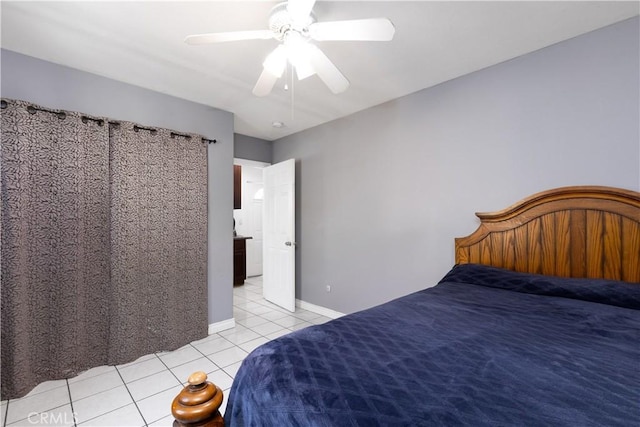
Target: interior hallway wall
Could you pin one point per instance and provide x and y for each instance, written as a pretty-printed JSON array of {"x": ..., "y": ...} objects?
[{"x": 250, "y": 148}]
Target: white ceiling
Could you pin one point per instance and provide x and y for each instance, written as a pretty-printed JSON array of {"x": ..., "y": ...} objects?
[{"x": 141, "y": 43}]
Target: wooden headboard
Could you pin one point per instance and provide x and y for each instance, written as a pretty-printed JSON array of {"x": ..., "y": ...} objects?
[{"x": 585, "y": 231}]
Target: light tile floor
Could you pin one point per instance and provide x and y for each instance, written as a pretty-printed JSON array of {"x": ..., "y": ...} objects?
[{"x": 140, "y": 393}]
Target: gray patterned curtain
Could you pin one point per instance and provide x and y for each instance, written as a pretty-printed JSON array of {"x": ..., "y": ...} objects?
[
  {"x": 55, "y": 245},
  {"x": 158, "y": 240},
  {"x": 103, "y": 243}
]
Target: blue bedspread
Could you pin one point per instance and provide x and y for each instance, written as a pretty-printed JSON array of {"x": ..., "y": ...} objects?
[{"x": 484, "y": 347}]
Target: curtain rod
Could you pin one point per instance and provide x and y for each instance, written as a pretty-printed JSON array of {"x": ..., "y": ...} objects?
[
  {"x": 32, "y": 110},
  {"x": 137, "y": 128},
  {"x": 61, "y": 115},
  {"x": 85, "y": 119},
  {"x": 183, "y": 135}
]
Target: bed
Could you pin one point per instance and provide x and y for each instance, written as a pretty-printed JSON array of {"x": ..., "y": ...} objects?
[{"x": 538, "y": 323}]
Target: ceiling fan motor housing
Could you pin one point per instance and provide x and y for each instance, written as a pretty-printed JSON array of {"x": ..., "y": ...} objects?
[{"x": 280, "y": 23}]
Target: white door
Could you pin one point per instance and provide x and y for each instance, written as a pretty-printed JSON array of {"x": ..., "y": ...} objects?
[{"x": 279, "y": 263}]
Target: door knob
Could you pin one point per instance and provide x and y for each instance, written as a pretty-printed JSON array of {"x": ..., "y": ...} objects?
[{"x": 290, "y": 243}]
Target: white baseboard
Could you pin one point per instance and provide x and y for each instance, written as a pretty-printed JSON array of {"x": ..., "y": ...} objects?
[
  {"x": 327, "y": 312},
  {"x": 222, "y": 326}
]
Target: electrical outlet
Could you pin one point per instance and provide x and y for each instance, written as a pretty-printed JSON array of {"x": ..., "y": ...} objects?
[{"x": 328, "y": 288}]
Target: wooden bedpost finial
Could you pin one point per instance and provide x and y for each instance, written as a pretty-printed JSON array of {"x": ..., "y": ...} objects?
[
  {"x": 197, "y": 378},
  {"x": 198, "y": 403}
]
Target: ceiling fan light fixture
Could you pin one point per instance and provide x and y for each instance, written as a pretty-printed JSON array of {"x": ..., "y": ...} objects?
[
  {"x": 299, "y": 53},
  {"x": 276, "y": 61},
  {"x": 304, "y": 70}
]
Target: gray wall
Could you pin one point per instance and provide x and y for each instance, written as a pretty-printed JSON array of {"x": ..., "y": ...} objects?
[
  {"x": 55, "y": 86},
  {"x": 250, "y": 148},
  {"x": 381, "y": 194}
]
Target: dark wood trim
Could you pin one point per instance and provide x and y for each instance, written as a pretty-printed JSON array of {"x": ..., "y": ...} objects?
[
  {"x": 240, "y": 259},
  {"x": 237, "y": 187}
]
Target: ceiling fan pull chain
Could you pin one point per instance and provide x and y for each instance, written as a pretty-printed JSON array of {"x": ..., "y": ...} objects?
[
  {"x": 286, "y": 78},
  {"x": 292, "y": 94}
]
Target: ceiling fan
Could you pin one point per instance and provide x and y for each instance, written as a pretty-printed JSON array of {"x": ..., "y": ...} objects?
[{"x": 294, "y": 25}]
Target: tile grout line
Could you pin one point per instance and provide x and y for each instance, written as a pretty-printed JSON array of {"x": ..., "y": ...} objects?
[
  {"x": 132, "y": 364},
  {"x": 144, "y": 420},
  {"x": 222, "y": 367},
  {"x": 73, "y": 414},
  {"x": 259, "y": 302},
  {"x": 203, "y": 355},
  {"x": 259, "y": 336},
  {"x": 13, "y": 423},
  {"x": 169, "y": 369},
  {"x": 6, "y": 413},
  {"x": 277, "y": 324},
  {"x": 269, "y": 305}
]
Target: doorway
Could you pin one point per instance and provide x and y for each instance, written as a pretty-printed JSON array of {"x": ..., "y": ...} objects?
[{"x": 248, "y": 219}]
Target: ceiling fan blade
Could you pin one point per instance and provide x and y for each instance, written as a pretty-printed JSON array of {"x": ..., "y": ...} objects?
[
  {"x": 327, "y": 71},
  {"x": 374, "y": 29},
  {"x": 276, "y": 61},
  {"x": 228, "y": 37},
  {"x": 304, "y": 70},
  {"x": 300, "y": 10},
  {"x": 272, "y": 69},
  {"x": 265, "y": 83}
]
